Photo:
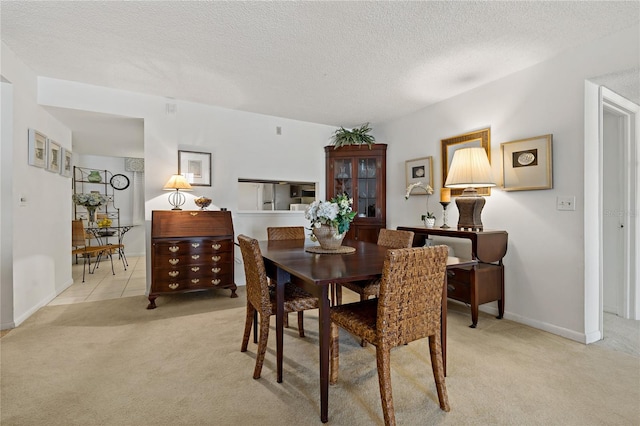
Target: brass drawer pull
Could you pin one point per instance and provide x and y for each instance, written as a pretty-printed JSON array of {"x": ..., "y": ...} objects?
[
  {"x": 194, "y": 213},
  {"x": 216, "y": 246},
  {"x": 195, "y": 281},
  {"x": 195, "y": 245},
  {"x": 195, "y": 256},
  {"x": 216, "y": 281},
  {"x": 216, "y": 258},
  {"x": 216, "y": 270},
  {"x": 174, "y": 274},
  {"x": 195, "y": 268},
  {"x": 174, "y": 262},
  {"x": 450, "y": 287},
  {"x": 173, "y": 286},
  {"x": 174, "y": 249}
]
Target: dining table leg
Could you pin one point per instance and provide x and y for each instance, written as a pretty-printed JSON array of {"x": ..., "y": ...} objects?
[
  {"x": 324, "y": 324},
  {"x": 283, "y": 277}
]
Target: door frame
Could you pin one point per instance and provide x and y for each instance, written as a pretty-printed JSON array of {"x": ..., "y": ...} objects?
[{"x": 597, "y": 98}]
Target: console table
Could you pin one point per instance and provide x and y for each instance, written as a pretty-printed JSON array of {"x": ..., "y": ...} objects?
[{"x": 478, "y": 284}]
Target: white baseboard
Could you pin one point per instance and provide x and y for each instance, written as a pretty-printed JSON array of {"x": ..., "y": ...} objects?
[
  {"x": 540, "y": 325},
  {"x": 22, "y": 318}
]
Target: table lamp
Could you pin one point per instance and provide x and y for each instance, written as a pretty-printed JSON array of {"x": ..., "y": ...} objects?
[
  {"x": 177, "y": 182},
  {"x": 470, "y": 169}
]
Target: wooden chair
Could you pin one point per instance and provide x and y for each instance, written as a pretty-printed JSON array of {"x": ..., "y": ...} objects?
[
  {"x": 275, "y": 233},
  {"x": 408, "y": 308},
  {"x": 261, "y": 299},
  {"x": 80, "y": 248}
]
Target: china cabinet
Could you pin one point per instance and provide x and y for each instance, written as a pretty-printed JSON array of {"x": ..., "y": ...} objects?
[{"x": 361, "y": 173}]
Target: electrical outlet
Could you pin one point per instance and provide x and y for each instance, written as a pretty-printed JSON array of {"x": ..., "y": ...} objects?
[{"x": 566, "y": 203}]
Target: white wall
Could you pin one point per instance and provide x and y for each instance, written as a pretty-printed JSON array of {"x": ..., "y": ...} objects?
[
  {"x": 41, "y": 237},
  {"x": 544, "y": 263},
  {"x": 243, "y": 145}
]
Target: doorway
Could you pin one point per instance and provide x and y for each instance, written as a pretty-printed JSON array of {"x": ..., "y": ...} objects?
[{"x": 611, "y": 208}]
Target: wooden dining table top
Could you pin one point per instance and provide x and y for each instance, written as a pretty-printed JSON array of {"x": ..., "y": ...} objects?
[{"x": 322, "y": 269}]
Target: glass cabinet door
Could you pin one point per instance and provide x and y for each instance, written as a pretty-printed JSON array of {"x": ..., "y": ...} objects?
[
  {"x": 343, "y": 176},
  {"x": 367, "y": 187}
]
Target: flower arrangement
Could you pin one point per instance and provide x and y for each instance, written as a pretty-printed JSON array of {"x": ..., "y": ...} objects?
[
  {"x": 429, "y": 191},
  {"x": 89, "y": 200},
  {"x": 336, "y": 212}
]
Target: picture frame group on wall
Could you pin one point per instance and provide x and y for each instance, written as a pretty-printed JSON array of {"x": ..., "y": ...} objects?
[
  {"x": 46, "y": 153},
  {"x": 419, "y": 170},
  {"x": 527, "y": 164},
  {"x": 195, "y": 167},
  {"x": 478, "y": 138}
]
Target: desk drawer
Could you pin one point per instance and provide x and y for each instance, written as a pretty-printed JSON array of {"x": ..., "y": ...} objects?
[{"x": 458, "y": 290}]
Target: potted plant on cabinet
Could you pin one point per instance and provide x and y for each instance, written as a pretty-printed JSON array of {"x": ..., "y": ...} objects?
[{"x": 356, "y": 136}]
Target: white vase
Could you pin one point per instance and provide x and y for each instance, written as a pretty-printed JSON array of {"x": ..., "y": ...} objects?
[
  {"x": 328, "y": 237},
  {"x": 429, "y": 222}
]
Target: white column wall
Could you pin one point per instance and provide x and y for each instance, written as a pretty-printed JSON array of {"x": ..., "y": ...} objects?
[{"x": 41, "y": 236}]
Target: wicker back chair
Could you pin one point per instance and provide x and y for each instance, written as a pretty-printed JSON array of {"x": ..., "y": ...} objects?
[
  {"x": 260, "y": 300},
  {"x": 408, "y": 308},
  {"x": 390, "y": 238},
  {"x": 285, "y": 233},
  {"x": 276, "y": 233}
]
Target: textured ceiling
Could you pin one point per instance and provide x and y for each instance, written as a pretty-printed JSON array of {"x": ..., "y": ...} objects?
[{"x": 337, "y": 63}]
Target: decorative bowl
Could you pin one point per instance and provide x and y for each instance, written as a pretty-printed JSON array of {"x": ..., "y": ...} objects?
[{"x": 202, "y": 202}]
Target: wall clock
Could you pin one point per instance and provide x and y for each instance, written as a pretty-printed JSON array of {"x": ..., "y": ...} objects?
[{"x": 119, "y": 182}]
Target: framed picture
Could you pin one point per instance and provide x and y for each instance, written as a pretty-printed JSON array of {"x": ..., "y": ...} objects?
[
  {"x": 37, "y": 149},
  {"x": 527, "y": 164},
  {"x": 479, "y": 138},
  {"x": 419, "y": 170},
  {"x": 54, "y": 156},
  {"x": 66, "y": 168},
  {"x": 195, "y": 167}
]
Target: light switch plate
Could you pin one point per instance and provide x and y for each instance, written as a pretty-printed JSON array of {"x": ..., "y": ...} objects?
[{"x": 566, "y": 203}]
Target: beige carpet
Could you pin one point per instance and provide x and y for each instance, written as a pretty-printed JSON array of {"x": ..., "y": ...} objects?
[{"x": 116, "y": 363}]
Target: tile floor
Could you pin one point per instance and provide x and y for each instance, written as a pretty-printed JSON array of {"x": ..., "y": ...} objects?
[{"x": 102, "y": 284}]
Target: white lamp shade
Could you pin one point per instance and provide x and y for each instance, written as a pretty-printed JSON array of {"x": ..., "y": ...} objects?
[
  {"x": 470, "y": 168},
  {"x": 177, "y": 182}
]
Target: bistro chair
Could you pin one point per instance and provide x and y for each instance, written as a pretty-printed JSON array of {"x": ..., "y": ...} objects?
[
  {"x": 80, "y": 248},
  {"x": 261, "y": 299},
  {"x": 408, "y": 308}
]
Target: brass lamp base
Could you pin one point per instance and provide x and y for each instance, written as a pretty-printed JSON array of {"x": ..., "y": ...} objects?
[{"x": 470, "y": 206}]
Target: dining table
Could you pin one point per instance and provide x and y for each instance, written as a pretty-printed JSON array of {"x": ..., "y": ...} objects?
[{"x": 290, "y": 261}]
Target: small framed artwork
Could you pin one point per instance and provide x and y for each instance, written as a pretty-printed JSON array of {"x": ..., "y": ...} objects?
[
  {"x": 479, "y": 138},
  {"x": 419, "y": 170},
  {"x": 195, "y": 167},
  {"x": 66, "y": 168},
  {"x": 54, "y": 156},
  {"x": 37, "y": 149},
  {"x": 527, "y": 164}
]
